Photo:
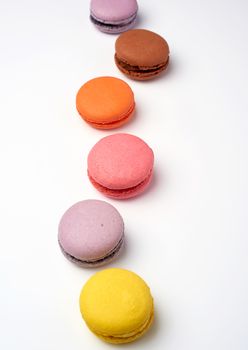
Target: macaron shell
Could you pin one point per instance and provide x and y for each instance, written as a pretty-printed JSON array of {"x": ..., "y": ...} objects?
[
  {"x": 117, "y": 305},
  {"x": 90, "y": 229},
  {"x": 105, "y": 102},
  {"x": 140, "y": 47},
  {"x": 113, "y": 10},
  {"x": 120, "y": 161}
]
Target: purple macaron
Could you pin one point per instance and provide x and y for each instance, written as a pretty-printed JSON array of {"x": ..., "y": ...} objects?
[
  {"x": 113, "y": 16},
  {"x": 91, "y": 233}
]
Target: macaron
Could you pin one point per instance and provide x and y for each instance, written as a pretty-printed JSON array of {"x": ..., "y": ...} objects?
[
  {"x": 141, "y": 54},
  {"x": 105, "y": 102},
  {"x": 120, "y": 166},
  {"x": 117, "y": 306},
  {"x": 91, "y": 233},
  {"x": 113, "y": 16}
]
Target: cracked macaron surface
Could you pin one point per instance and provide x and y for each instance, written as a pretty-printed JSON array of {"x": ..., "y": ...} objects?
[
  {"x": 120, "y": 166},
  {"x": 117, "y": 305}
]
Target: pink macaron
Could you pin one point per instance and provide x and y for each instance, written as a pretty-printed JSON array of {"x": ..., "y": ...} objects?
[
  {"x": 113, "y": 16},
  {"x": 120, "y": 166},
  {"x": 91, "y": 233}
]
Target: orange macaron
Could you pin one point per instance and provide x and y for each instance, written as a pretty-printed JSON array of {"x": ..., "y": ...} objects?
[{"x": 105, "y": 102}]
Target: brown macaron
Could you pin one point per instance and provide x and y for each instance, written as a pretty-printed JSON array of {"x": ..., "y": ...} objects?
[{"x": 141, "y": 54}]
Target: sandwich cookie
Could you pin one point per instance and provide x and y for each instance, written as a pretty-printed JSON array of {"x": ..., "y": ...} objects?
[
  {"x": 141, "y": 54},
  {"x": 113, "y": 16},
  {"x": 117, "y": 306},
  {"x": 120, "y": 166},
  {"x": 91, "y": 233},
  {"x": 105, "y": 102}
]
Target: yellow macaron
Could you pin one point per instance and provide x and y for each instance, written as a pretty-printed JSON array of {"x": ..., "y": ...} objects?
[{"x": 117, "y": 305}]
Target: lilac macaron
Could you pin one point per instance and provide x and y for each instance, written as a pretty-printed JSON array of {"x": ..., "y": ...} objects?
[
  {"x": 91, "y": 233},
  {"x": 113, "y": 16}
]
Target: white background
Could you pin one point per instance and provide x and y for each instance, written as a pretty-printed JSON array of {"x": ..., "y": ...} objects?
[{"x": 187, "y": 235}]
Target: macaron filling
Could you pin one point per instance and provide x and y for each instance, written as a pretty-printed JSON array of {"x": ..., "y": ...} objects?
[
  {"x": 117, "y": 192},
  {"x": 126, "y": 67},
  {"x": 97, "y": 261},
  {"x": 111, "y": 24}
]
